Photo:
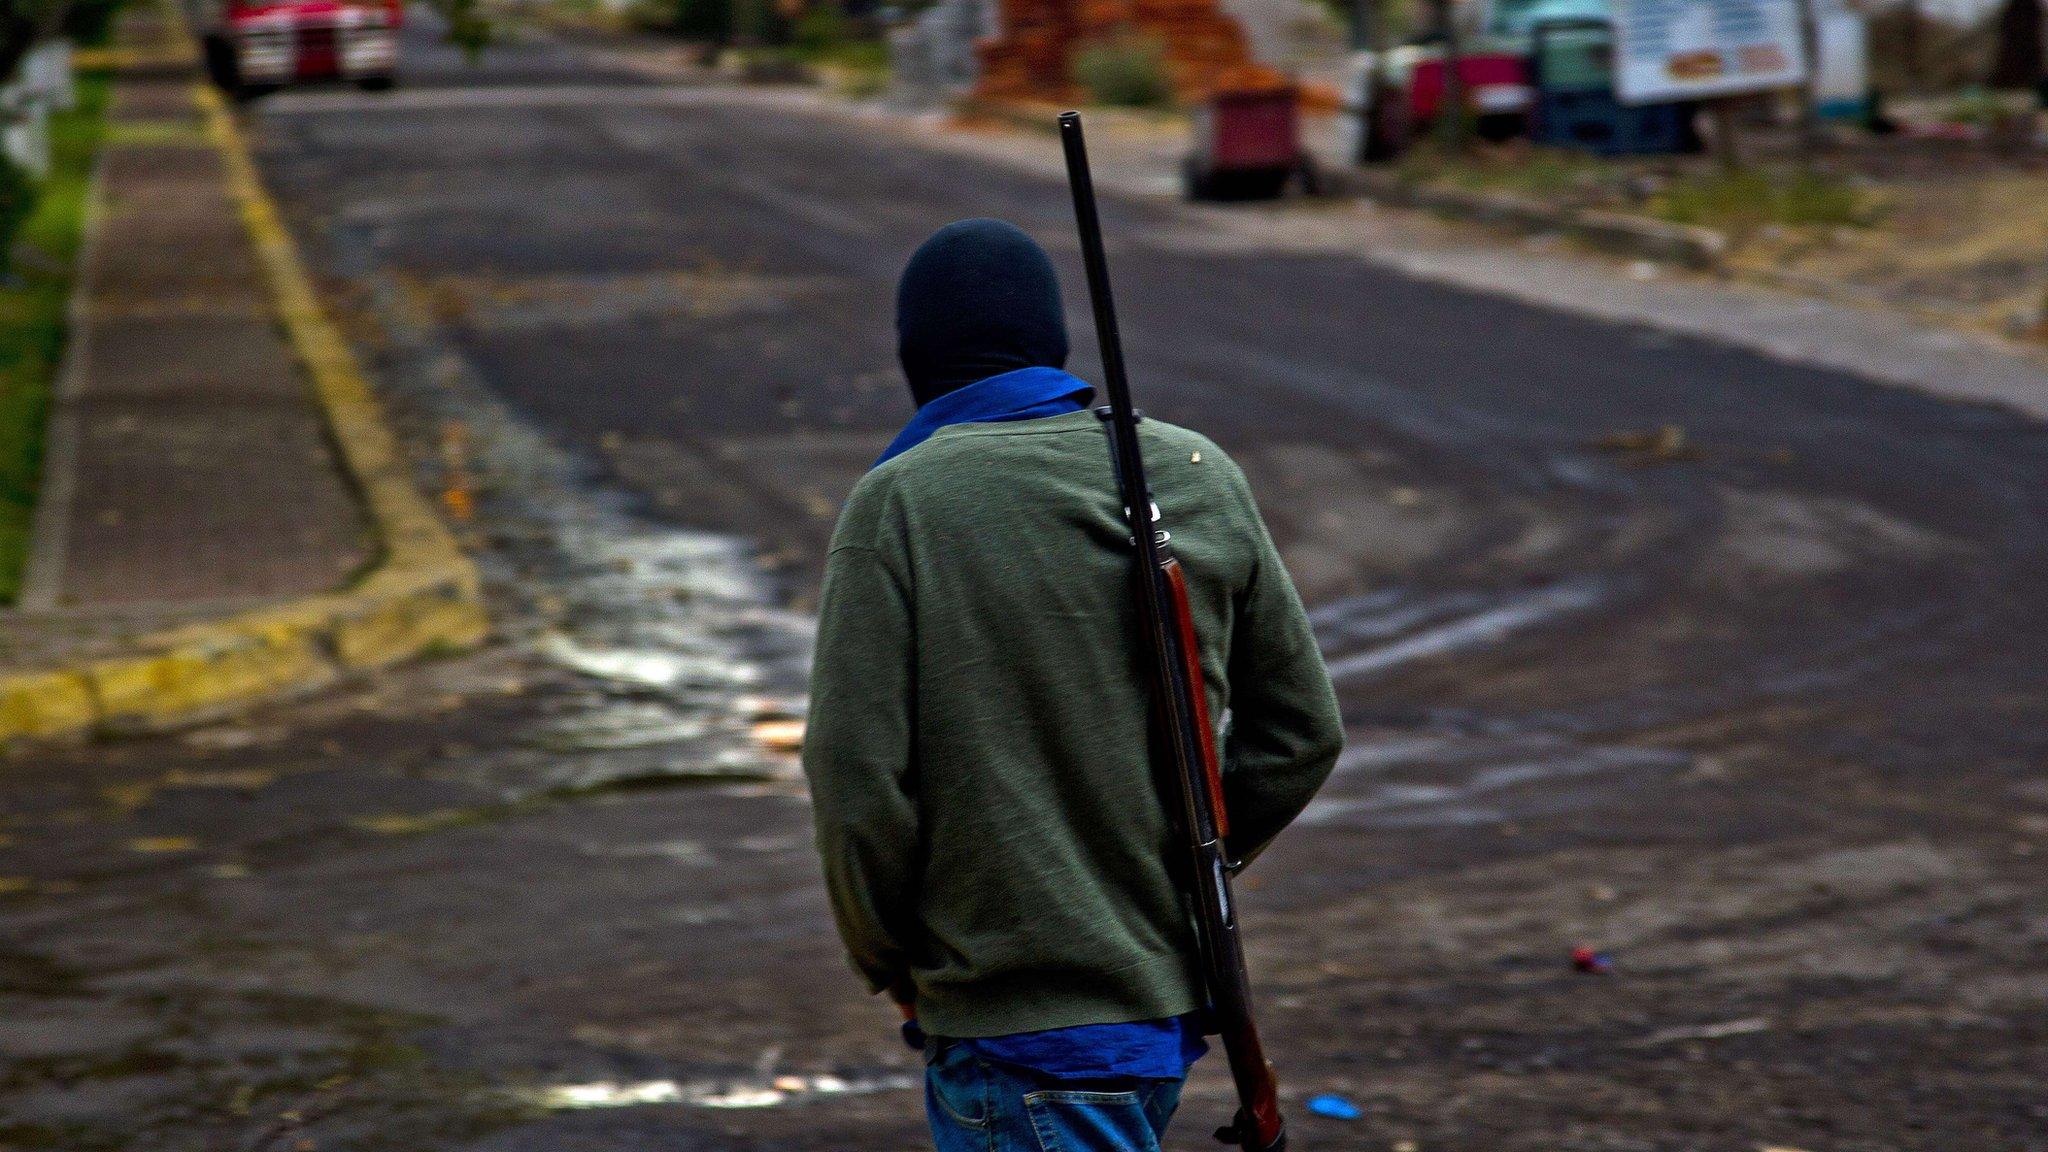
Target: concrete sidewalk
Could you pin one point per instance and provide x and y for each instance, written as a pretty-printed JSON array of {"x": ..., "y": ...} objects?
[
  {"x": 191, "y": 462},
  {"x": 194, "y": 475},
  {"x": 187, "y": 466}
]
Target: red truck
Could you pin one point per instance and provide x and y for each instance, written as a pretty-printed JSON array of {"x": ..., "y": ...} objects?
[{"x": 256, "y": 45}]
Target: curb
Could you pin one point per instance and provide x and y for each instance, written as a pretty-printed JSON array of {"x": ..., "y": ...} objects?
[
  {"x": 1694, "y": 247},
  {"x": 423, "y": 596}
]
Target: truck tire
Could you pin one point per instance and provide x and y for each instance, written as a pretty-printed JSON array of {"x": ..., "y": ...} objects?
[
  {"x": 383, "y": 83},
  {"x": 1263, "y": 183},
  {"x": 220, "y": 65}
]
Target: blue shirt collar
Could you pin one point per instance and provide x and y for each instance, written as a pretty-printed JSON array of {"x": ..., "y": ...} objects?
[{"x": 1025, "y": 394}]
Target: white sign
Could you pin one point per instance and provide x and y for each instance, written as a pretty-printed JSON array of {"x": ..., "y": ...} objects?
[{"x": 1686, "y": 49}]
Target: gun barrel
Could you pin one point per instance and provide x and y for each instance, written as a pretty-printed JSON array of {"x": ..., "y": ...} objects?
[
  {"x": 1123, "y": 422},
  {"x": 1179, "y": 700}
]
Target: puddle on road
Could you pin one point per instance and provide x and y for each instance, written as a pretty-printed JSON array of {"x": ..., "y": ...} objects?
[
  {"x": 677, "y": 635},
  {"x": 1453, "y": 781},
  {"x": 688, "y": 667},
  {"x": 1374, "y": 634},
  {"x": 1463, "y": 780}
]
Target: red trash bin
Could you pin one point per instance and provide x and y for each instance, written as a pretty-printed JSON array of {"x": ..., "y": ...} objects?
[{"x": 1247, "y": 142}]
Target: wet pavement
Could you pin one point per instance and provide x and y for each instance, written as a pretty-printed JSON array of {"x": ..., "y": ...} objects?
[{"x": 1729, "y": 668}]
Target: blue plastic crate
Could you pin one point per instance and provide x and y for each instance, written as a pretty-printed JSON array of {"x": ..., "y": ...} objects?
[
  {"x": 1597, "y": 122},
  {"x": 1572, "y": 71}
]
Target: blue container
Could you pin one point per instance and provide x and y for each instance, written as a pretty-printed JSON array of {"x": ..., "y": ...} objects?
[
  {"x": 1597, "y": 122},
  {"x": 1572, "y": 69}
]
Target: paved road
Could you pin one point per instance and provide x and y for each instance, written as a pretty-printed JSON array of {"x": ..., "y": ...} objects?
[{"x": 1731, "y": 667}]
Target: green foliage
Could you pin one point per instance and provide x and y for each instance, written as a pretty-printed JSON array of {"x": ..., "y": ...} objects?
[
  {"x": 468, "y": 27},
  {"x": 707, "y": 20},
  {"x": 1124, "y": 70},
  {"x": 824, "y": 36},
  {"x": 864, "y": 83},
  {"x": 1664, "y": 187},
  {"x": 33, "y": 306},
  {"x": 820, "y": 30},
  {"x": 858, "y": 64},
  {"x": 761, "y": 22},
  {"x": 1754, "y": 197},
  {"x": 91, "y": 22},
  {"x": 17, "y": 196},
  {"x": 1399, "y": 20},
  {"x": 1986, "y": 108}
]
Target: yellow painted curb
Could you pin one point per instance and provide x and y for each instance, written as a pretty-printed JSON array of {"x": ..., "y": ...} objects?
[
  {"x": 423, "y": 597},
  {"x": 178, "y": 54},
  {"x": 45, "y": 703}
]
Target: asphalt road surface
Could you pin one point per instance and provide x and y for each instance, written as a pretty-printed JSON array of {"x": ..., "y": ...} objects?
[{"x": 1734, "y": 670}]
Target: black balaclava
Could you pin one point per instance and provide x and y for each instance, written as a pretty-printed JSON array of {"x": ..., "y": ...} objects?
[{"x": 978, "y": 299}]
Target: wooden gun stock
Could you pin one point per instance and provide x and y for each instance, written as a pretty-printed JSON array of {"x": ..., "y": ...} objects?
[{"x": 1191, "y": 659}]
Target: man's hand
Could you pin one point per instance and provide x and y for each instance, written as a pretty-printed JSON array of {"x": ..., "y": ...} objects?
[{"x": 912, "y": 1034}]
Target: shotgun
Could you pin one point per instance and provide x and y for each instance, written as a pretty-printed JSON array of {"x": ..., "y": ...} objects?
[{"x": 1180, "y": 705}]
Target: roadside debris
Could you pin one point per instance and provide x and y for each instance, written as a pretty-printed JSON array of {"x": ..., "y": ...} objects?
[
  {"x": 162, "y": 844},
  {"x": 415, "y": 823},
  {"x": 231, "y": 736},
  {"x": 1719, "y": 1031},
  {"x": 1665, "y": 444},
  {"x": 234, "y": 779},
  {"x": 1590, "y": 962},
  {"x": 779, "y": 735},
  {"x": 458, "y": 488},
  {"x": 1334, "y": 1107}
]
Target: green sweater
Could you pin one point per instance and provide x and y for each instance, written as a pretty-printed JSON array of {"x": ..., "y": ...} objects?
[{"x": 993, "y": 841}]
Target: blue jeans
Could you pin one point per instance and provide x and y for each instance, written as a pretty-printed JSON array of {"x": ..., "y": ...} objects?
[{"x": 978, "y": 1106}]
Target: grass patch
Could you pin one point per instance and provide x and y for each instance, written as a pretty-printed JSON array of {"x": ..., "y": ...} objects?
[
  {"x": 1541, "y": 172},
  {"x": 1680, "y": 190},
  {"x": 33, "y": 299},
  {"x": 1754, "y": 198},
  {"x": 1126, "y": 69}
]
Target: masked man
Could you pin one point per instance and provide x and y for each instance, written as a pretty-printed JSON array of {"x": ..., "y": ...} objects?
[{"x": 995, "y": 845}]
